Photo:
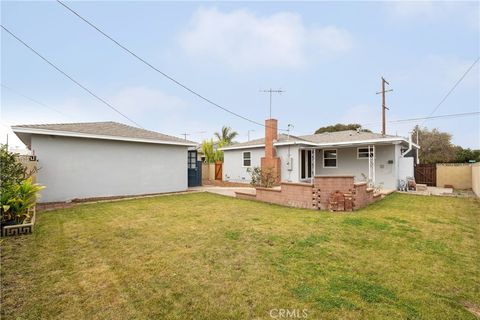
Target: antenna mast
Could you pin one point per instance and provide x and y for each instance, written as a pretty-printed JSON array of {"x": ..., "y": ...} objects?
[{"x": 279, "y": 91}]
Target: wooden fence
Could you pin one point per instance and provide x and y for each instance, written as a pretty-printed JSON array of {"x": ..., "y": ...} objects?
[{"x": 426, "y": 174}]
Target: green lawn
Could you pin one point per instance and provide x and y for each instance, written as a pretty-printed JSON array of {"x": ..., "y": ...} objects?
[{"x": 203, "y": 256}]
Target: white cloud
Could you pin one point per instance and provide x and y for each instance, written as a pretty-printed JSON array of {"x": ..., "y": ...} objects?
[
  {"x": 442, "y": 70},
  {"x": 450, "y": 68},
  {"x": 139, "y": 100},
  {"x": 369, "y": 116},
  {"x": 362, "y": 114},
  {"x": 241, "y": 39},
  {"x": 140, "y": 103},
  {"x": 464, "y": 11},
  {"x": 410, "y": 9}
]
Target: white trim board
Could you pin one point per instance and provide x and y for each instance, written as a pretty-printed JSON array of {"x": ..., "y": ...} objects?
[{"x": 328, "y": 145}]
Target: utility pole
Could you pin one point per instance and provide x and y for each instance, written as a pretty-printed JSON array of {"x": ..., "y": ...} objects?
[
  {"x": 185, "y": 135},
  {"x": 279, "y": 91},
  {"x": 384, "y": 104}
]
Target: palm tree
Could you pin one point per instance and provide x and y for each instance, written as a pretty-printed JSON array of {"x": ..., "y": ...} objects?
[{"x": 227, "y": 135}]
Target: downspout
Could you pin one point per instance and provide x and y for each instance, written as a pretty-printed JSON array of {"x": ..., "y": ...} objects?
[{"x": 410, "y": 145}]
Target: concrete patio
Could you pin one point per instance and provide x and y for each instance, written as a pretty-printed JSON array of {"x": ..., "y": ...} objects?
[{"x": 224, "y": 191}]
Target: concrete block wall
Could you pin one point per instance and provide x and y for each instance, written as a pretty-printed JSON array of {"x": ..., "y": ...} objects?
[
  {"x": 298, "y": 195},
  {"x": 476, "y": 178},
  {"x": 362, "y": 195},
  {"x": 458, "y": 175},
  {"x": 317, "y": 195},
  {"x": 326, "y": 185}
]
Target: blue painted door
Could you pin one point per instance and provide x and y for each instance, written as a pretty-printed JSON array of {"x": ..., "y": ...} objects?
[{"x": 194, "y": 169}]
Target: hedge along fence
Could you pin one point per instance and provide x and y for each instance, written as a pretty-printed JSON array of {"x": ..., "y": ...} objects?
[{"x": 457, "y": 175}]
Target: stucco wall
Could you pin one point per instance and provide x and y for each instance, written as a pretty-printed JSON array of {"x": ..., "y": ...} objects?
[
  {"x": 83, "y": 168},
  {"x": 348, "y": 164},
  {"x": 285, "y": 153},
  {"x": 387, "y": 174},
  {"x": 458, "y": 175},
  {"x": 233, "y": 169},
  {"x": 476, "y": 178}
]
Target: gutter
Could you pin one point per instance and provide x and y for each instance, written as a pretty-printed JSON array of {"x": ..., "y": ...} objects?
[
  {"x": 347, "y": 143},
  {"x": 242, "y": 147}
]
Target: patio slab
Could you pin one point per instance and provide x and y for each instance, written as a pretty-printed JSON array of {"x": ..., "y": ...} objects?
[{"x": 224, "y": 191}]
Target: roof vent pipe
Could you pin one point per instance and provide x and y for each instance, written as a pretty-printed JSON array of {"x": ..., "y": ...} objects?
[{"x": 288, "y": 131}]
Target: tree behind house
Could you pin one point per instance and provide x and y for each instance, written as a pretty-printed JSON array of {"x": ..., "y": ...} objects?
[
  {"x": 226, "y": 135},
  {"x": 211, "y": 153},
  {"x": 341, "y": 127},
  {"x": 435, "y": 146}
]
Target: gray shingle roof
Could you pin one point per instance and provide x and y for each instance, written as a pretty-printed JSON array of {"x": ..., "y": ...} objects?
[
  {"x": 344, "y": 136},
  {"x": 110, "y": 128},
  {"x": 327, "y": 137}
]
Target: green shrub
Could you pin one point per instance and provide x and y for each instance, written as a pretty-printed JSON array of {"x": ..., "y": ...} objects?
[
  {"x": 262, "y": 177},
  {"x": 16, "y": 201},
  {"x": 12, "y": 172}
]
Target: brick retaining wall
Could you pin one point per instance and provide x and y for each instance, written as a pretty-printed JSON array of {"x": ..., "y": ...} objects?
[
  {"x": 326, "y": 185},
  {"x": 336, "y": 193},
  {"x": 298, "y": 195}
]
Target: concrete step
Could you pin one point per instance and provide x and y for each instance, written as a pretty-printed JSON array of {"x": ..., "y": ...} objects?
[{"x": 421, "y": 187}]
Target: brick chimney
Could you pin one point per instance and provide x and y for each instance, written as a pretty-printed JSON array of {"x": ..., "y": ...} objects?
[{"x": 271, "y": 160}]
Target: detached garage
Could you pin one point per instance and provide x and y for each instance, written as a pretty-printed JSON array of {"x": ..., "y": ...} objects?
[{"x": 104, "y": 159}]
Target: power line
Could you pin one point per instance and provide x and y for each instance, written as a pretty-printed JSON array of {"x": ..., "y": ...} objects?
[
  {"x": 158, "y": 70},
  {"x": 453, "y": 115},
  {"x": 69, "y": 77},
  {"x": 33, "y": 100},
  {"x": 451, "y": 90}
]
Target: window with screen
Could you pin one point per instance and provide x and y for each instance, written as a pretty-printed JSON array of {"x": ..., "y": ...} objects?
[
  {"x": 362, "y": 153},
  {"x": 330, "y": 158},
  {"x": 247, "y": 159}
]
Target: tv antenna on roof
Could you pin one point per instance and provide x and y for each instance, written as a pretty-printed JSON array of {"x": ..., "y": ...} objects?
[{"x": 279, "y": 91}]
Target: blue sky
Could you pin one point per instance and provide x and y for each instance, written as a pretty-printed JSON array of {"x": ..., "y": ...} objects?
[{"x": 328, "y": 56}]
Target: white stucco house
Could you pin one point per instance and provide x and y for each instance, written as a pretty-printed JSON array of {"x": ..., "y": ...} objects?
[
  {"x": 105, "y": 159},
  {"x": 382, "y": 160}
]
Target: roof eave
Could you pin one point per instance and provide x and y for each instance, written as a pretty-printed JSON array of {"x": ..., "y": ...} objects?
[
  {"x": 242, "y": 147},
  {"x": 330, "y": 144},
  {"x": 96, "y": 136}
]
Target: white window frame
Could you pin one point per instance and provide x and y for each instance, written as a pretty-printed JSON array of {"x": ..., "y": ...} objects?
[
  {"x": 243, "y": 159},
  {"x": 336, "y": 158},
  {"x": 358, "y": 152},
  {"x": 304, "y": 164}
]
